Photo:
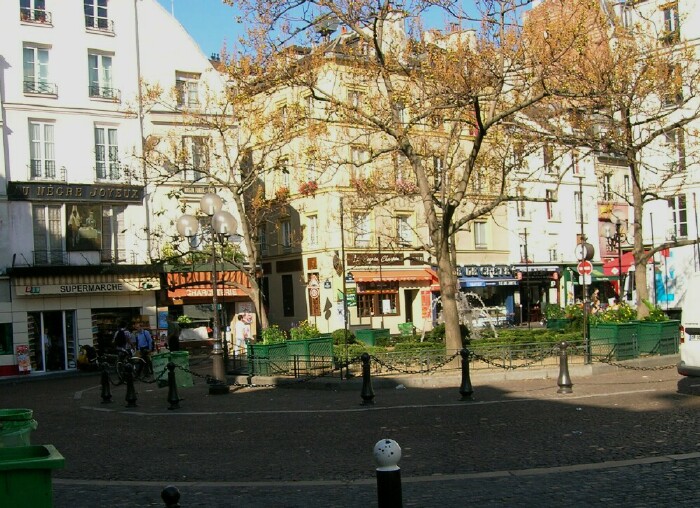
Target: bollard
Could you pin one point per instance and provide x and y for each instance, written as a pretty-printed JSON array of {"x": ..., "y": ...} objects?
[
  {"x": 130, "y": 390},
  {"x": 564, "y": 380},
  {"x": 367, "y": 391},
  {"x": 466, "y": 387},
  {"x": 170, "y": 496},
  {"x": 104, "y": 381},
  {"x": 173, "y": 397},
  {"x": 387, "y": 454}
]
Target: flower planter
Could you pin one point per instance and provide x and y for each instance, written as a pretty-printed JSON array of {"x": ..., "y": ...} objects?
[
  {"x": 307, "y": 354},
  {"x": 614, "y": 341},
  {"x": 658, "y": 337},
  {"x": 558, "y": 323},
  {"x": 267, "y": 359}
]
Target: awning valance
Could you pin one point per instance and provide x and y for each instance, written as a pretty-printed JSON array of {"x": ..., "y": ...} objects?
[{"x": 393, "y": 275}]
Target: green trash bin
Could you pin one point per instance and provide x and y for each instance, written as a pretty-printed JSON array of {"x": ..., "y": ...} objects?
[
  {"x": 160, "y": 368},
  {"x": 25, "y": 475},
  {"x": 16, "y": 426}
]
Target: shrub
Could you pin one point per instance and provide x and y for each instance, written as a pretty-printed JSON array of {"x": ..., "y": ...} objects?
[
  {"x": 304, "y": 330},
  {"x": 273, "y": 334},
  {"x": 437, "y": 334},
  {"x": 554, "y": 311},
  {"x": 620, "y": 314},
  {"x": 339, "y": 337},
  {"x": 655, "y": 312},
  {"x": 417, "y": 346}
]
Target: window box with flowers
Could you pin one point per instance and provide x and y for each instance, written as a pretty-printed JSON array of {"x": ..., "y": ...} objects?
[
  {"x": 308, "y": 188},
  {"x": 364, "y": 185},
  {"x": 282, "y": 194},
  {"x": 613, "y": 333},
  {"x": 406, "y": 187}
]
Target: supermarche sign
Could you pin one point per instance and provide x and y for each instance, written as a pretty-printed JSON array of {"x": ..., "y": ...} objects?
[{"x": 81, "y": 288}]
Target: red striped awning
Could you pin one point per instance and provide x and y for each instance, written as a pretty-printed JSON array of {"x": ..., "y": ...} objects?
[{"x": 393, "y": 275}]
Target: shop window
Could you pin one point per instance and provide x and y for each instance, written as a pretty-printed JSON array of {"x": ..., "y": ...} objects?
[
  {"x": 365, "y": 305},
  {"x": 6, "y": 339},
  {"x": 48, "y": 235}
]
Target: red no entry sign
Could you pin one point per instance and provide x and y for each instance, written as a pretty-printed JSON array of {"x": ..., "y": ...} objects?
[{"x": 584, "y": 268}]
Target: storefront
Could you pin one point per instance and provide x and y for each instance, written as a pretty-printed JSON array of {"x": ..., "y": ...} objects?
[
  {"x": 539, "y": 286},
  {"x": 491, "y": 288},
  {"x": 52, "y": 316}
]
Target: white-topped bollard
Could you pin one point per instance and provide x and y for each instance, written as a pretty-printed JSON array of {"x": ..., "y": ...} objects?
[{"x": 387, "y": 454}]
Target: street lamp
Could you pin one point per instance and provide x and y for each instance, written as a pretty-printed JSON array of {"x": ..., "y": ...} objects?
[
  {"x": 615, "y": 240},
  {"x": 222, "y": 226}
]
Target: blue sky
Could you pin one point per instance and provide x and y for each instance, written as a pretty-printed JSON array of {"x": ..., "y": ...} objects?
[{"x": 209, "y": 22}]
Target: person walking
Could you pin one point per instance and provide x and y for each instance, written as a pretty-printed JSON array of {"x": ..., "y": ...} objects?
[
  {"x": 241, "y": 335},
  {"x": 144, "y": 344}
]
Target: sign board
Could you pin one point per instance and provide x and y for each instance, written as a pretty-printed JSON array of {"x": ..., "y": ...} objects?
[
  {"x": 313, "y": 292},
  {"x": 327, "y": 284},
  {"x": 584, "y": 279},
  {"x": 585, "y": 268}
]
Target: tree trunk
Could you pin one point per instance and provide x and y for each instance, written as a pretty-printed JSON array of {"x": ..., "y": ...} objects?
[
  {"x": 448, "y": 289},
  {"x": 640, "y": 260}
]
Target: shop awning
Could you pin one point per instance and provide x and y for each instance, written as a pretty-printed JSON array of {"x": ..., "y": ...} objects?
[
  {"x": 612, "y": 267},
  {"x": 198, "y": 284},
  {"x": 393, "y": 275}
]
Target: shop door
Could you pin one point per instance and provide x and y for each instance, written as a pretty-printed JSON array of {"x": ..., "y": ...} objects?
[
  {"x": 52, "y": 340},
  {"x": 408, "y": 296}
]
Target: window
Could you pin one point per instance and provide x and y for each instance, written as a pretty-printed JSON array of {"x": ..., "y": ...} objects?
[
  {"x": 401, "y": 112},
  {"x": 48, "y": 235},
  {"x": 41, "y": 150},
  {"x": 404, "y": 232},
  {"x": 480, "y": 235},
  {"x": 355, "y": 98},
  {"x": 675, "y": 142},
  {"x": 187, "y": 90},
  {"x": 550, "y": 195},
  {"x": 282, "y": 173},
  {"x": 100, "y": 75},
  {"x": 552, "y": 252},
  {"x": 310, "y": 103},
  {"x": 606, "y": 187},
  {"x": 680, "y": 216},
  {"x": 673, "y": 92},
  {"x": 312, "y": 228},
  {"x": 360, "y": 222},
  {"x": 575, "y": 163},
  {"x": 6, "y": 339},
  {"x": 671, "y": 33},
  {"x": 286, "y": 228},
  {"x": 287, "y": 296},
  {"x": 438, "y": 168},
  {"x": 262, "y": 240},
  {"x": 194, "y": 157},
  {"x": 96, "y": 15},
  {"x": 577, "y": 208},
  {"x": 113, "y": 234},
  {"x": 520, "y": 205},
  {"x": 359, "y": 155},
  {"x": 627, "y": 15},
  {"x": 626, "y": 185},
  {"x": 36, "y": 71},
  {"x": 377, "y": 298},
  {"x": 33, "y": 10},
  {"x": 106, "y": 154},
  {"x": 548, "y": 159}
]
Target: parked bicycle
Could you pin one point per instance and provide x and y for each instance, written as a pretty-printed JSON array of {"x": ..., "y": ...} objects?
[{"x": 117, "y": 364}]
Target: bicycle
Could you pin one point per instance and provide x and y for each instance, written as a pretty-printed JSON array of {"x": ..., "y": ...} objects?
[{"x": 117, "y": 364}]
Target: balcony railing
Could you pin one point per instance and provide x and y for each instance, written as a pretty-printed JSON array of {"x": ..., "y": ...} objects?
[
  {"x": 104, "y": 92},
  {"x": 99, "y": 23},
  {"x": 117, "y": 256},
  {"x": 43, "y": 170},
  {"x": 35, "y": 16},
  {"x": 50, "y": 257},
  {"x": 40, "y": 87}
]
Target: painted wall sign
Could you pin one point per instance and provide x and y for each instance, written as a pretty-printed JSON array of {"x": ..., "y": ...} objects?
[
  {"x": 485, "y": 271},
  {"x": 72, "y": 192},
  {"x": 375, "y": 259}
]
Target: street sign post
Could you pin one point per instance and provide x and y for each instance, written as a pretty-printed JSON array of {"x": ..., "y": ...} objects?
[{"x": 585, "y": 268}]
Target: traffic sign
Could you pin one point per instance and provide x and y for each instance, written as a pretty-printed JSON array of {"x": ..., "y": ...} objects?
[
  {"x": 313, "y": 292},
  {"x": 584, "y": 268}
]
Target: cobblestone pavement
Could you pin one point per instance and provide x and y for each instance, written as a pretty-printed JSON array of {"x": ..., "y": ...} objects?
[{"x": 623, "y": 438}]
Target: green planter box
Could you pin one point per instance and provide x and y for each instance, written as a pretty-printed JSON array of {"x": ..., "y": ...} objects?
[
  {"x": 25, "y": 475},
  {"x": 268, "y": 359},
  {"x": 558, "y": 323},
  {"x": 16, "y": 426},
  {"x": 310, "y": 353},
  {"x": 370, "y": 335},
  {"x": 616, "y": 341},
  {"x": 658, "y": 337}
]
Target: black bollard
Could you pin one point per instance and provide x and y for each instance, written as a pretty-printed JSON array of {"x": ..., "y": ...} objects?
[
  {"x": 170, "y": 496},
  {"x": 564, "y": 380},
  {"x": 173, "y": 397},
  {"x": 367, "y": 391},
  {"x": 104, "y": 381},
  {"x": 465, "y": 388},
  {"x": 387, "y": 454},
  {"x": 130, "y": 390}
]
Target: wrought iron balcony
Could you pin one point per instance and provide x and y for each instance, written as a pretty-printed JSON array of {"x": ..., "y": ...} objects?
[
  {"x": 99, "y": 23},
  {"x": 104, "y": 92},
  {"x": 40, "y": 87},
  {"x": 50, "y": 257},
  {"x": 35, "y": 16}
]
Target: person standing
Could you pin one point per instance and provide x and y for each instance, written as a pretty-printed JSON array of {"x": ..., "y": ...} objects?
[
  {"x": 241, "y": 335},
  {"x": 122, "y": 338},
  {"x": 144, "y": 344}
]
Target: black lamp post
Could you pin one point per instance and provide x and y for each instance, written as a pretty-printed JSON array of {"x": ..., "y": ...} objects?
[
  {"x": 223, "y": 225},
  {"x": 615, "y": 239}
]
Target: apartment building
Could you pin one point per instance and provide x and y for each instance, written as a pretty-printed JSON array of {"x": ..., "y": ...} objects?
[{"x": 77, "y": 204}]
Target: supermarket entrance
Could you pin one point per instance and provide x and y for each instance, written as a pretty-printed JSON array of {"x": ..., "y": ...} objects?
[{"x": 52, "y": 341}]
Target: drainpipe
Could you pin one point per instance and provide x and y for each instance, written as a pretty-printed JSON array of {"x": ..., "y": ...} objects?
[{"x": 141, "y": 128}]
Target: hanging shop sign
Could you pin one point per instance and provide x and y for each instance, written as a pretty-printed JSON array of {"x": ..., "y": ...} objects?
[
  {"x": 82, "y": 288},
  {"x": 71, "y": 192}
]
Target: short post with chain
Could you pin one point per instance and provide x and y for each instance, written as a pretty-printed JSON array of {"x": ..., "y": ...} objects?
[{"x": 367, "y": 393}]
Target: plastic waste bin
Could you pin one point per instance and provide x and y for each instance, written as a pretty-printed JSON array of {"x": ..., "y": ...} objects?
[
  {"x": 25, "y": 475},
  {"x": 16, "y": 426},
  {"x": 181, "y": 359}
]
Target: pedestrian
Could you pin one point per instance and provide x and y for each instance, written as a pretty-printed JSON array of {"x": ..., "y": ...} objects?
[
  {"x": 241, "y": 335},
  {"x": 173, "y": 334},
  {"x": 144, "y": 344},
  {"x": 122, "y": 338},
  {"x": 595, "y": 301}
]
